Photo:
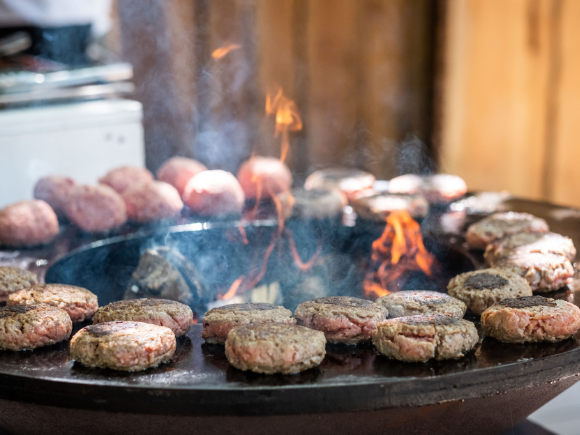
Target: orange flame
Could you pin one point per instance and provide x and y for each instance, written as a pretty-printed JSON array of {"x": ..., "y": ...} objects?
[
  {"x": 299, "y": 263},
  {"x": 399, "y": 249},
  {"x": 218, "y": 53},
  {"x": 287, "y": 118}
]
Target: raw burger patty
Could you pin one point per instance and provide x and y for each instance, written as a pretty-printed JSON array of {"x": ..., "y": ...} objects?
[
  {"x": 13, "y": 279},
  {"x": 152, "y": 202},
  {"x": 499, "y": 225},
  {"x": 30, "y": 326},
  {"x": 78, "y": 302},
  {"x": 96, "y": 208},
  {"x": 128, "y": 346},
  {"x": 275, "y": 348},
  {"x": 27, "y": 223},
  {"x": 532, "y": 318},
  {"x": 264, "y": 177},
  {"x": 173, "y": 315},
  {"x": 217, "y": 322},
  {"x": 343, "y": 319},
  {"x": 214, "y": 193},
  {"x": 177, "y": 171},
  {"x": 544, "y": 272},
  {"x": 543, "y": 243},
  {"x": 54, "y": 190},
  {"x": 483, "y": 288},
  {"x": 421, "y": 338},
  {"x": 415, "y": 302},
  {"x": 437, "y": 188},
  {"x": 121, "y": 179}
]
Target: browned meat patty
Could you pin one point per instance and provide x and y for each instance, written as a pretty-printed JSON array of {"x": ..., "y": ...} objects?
[
  {"x": 25, "y": 327},
  {"x": 152, "y": 202},
  {"x": 173, "y": 315},
  {"x": 214, "y": 193},
  {"x": 217, "y": 322},
  {"x": 78, "y": 302},
  {"x": 54, "y": 190},
  {"x": 264, "y": 177},
  {"x": 312, "y": 204},
  {"x": 378, "y": 207},
  {"x": 348, "y": 181},
  {"x": 275, "y": 348},
  {"x": 499, "y": 225},
  {"x": 177, "y": 171},
  {"x": 544, "y": 272},
  {"x": 532, "y": 318},
  {"x": 343, "y": 319},
  {"x": 438, "y": 188},
  {"x": 27, "y": 223},
  {"x": 421, "y": 338},
  {"x": 121, "y": 179},
  {"x": 483, "y": 288},
  {"x": 128, "y": 346},
  {"x": 543, "y": 243},
  {"x": 415, "y": 302},
  {"x": 96, "y": 209},
  {"x": 13, "y": 279}
]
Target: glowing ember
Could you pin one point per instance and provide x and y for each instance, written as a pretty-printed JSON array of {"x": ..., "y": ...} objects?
[
  {"x": 218, "y": 53},
  {"x": 399, "y": 249},
  {"x": 287, "y": 118}
]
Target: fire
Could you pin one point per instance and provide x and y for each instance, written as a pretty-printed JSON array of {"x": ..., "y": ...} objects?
[
  {"x": 287, "y": 118},
  {"x": 218, "y": 53},
  {"x": 399, "y": 249}
]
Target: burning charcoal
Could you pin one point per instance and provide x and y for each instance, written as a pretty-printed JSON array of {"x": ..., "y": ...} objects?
[{"x": 166, "y": 274}]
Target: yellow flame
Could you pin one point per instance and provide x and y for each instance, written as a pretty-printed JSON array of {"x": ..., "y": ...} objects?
[
  {"x": 287, "y": 118},
  {"x": 218, "y": 53}
]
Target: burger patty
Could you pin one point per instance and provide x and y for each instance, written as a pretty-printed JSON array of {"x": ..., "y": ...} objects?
[
  {"x": 78, "y": 302},
  {"x": 264, "y": 177},
  {"x": 25, "y": 327},
  {"x": 378, "y": 207},
  {"x": 214, "y": 193},
  {"x": 421, "y": 338},
  {"x": 275, "y": 348},
  {"x": 343, "y": 319},
  {"x": 483, "y": 288},
  {"x": 121, "y": 179},
  {"x": 27, "y": 223},
  {"x": 54, "y": 190},
  {"x": 177, "y": 171},
  {"x": 13, "y": 279},
  {"x": 415, "y": 302},
  {"x": 162, "y": 312},
  {"x": 499, "y": 225},
  {"x": 532, "y": 318},
  {"x": 152, "y": 202},
  {"x": 312, "y": 204},
  {"x": 217, "y": 322},
  {"x": 348, "y": 181},
  {"x": 543, "y": 243},
  {"x": 437, "y": 188},
  {"x": 96, "y": 209},
  {"x": 128, "y": 346}
]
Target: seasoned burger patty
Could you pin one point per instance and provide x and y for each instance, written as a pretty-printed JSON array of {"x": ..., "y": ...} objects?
[
  {"x": 532, "y": 318},
  {"x": 173, "y": 315},
  {"x": 54, "y": 190},
  {"x": 437, "y": 188},
  {"x": 78, "y": 302},
  {"x": 128, "y": 346},
  {"x": 275, "y": 348},
  {"x": 217, "y": 322},
  {"x": 421, "y": 338},
  {"x": 121, "y": 179},
  {"x": 13, "y": 279},
  {"x": 543, "y": 243},
  {"x": 27, "y": 223},
  {"x": 30, "y": 326},
  {"x": 484, "y": 288},
  {"x": 152, "y": 202},
  {"x": 544, "y": 272},
  {"x": 499, "y": 225},
  {"x": 343, "y": 319},
  {"x": 415, "y": 302}
]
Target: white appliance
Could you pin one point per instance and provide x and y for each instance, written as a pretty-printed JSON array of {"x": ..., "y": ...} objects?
[{"x": 82, "y": 140}]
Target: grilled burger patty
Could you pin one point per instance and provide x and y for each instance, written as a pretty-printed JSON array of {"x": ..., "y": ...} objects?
[
  {"x": 13, "y": 279},
  {"x": 437, "y": 188},
  {"x": 343, "y": 319},
  {"x": 521, "y": 243},
  {"x": 421, "y": 338},
  {"x": 532, "y": 318},
  {"x": 415, "y": 302},
  {"x": 275, "y": 348}
]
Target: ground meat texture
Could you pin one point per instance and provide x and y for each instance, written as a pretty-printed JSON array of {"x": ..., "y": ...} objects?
[
  {"x": 531, "y": 319},
  {"x": 127, "y": 346},
  {"x": 264, "y": 177},
  {"x": 544, "y": 272},
  {"x": 415, "y": 302},
  {"x": 177, "y": 171},
  {"x": 499, "y": 225},
  {"x": 121, "y": 179},
  {"x": 152, "y": 202},
  {"x": 483, "y": 288},
  {"x": 275, "y": 348},
  {"x": 78, "y": 302},
  {"x": 421, "y": 338},
  {"x": 24, "y": 327},
  {"x": 438, "y": 188},
  {"x": 27, "y": 223},
  {"x": 217, "y": 322},
  {"x": 343, "y": 319},
  {"x": 520, "y": 243},
  {"x": 214, "y": 193},
  {"x": 54, "y": 190},
  {"x": 348, "y": 181},
  {"x": 96, "y": 209},
  {"x": 13, "y": 279},
  {"x": 162, "y": 312}
]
